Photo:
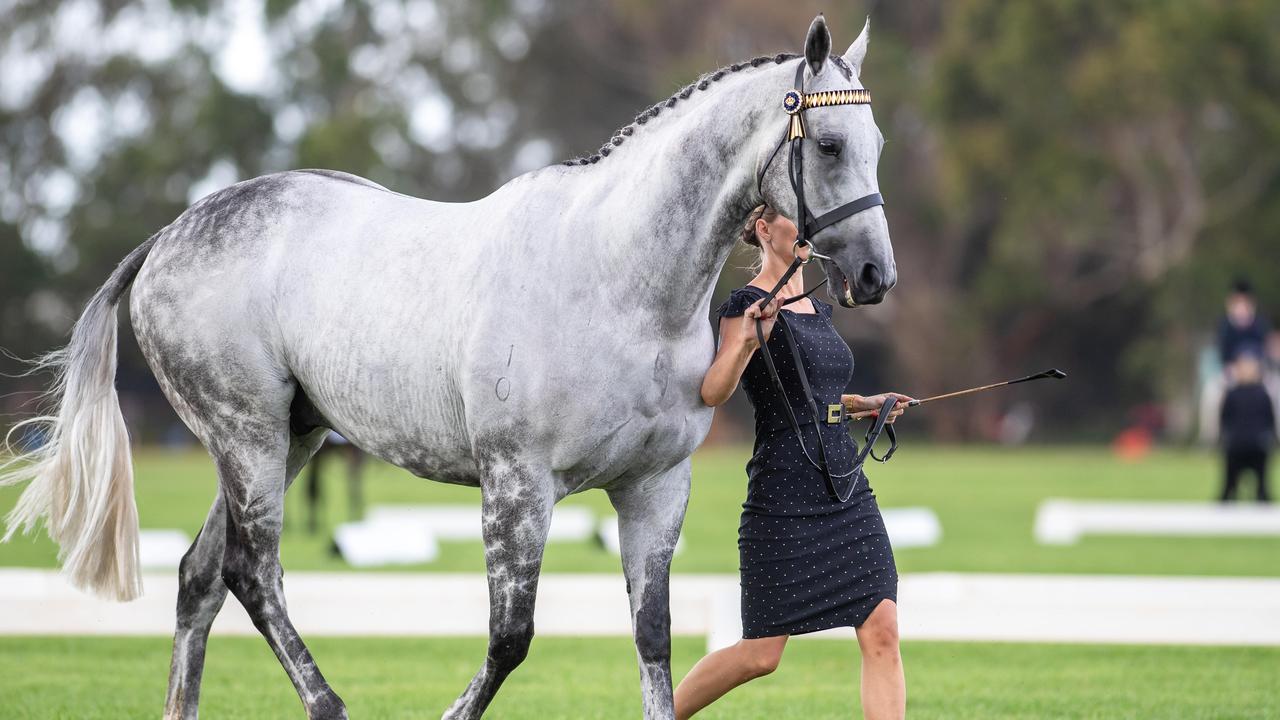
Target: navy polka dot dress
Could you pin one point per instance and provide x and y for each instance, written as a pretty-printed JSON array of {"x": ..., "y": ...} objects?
[{"x": 808, "y": 562}]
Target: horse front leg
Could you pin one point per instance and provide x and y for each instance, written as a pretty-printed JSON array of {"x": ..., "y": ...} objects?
[
  {"x": 516, "y": 504},
  {"x": 650, "y": 514}
]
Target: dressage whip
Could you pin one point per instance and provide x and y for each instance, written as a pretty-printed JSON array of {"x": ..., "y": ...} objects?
[{"x": 1054, "y": 373}]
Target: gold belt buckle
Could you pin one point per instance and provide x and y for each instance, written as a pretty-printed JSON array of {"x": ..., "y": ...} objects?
[{"x": 834, "y": 413}]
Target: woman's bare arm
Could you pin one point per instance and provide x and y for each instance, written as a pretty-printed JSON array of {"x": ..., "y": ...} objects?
[{"x": 737, "y": 343}]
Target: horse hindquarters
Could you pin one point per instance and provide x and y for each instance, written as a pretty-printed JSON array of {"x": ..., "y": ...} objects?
[{"x": 235, "y": 395}]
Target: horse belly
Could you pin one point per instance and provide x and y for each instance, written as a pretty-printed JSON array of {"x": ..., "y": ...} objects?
[
  {"x": 390, "y": 395},
  {"x": 410, "y": 434},
  {"x": 374, "y": 347}
]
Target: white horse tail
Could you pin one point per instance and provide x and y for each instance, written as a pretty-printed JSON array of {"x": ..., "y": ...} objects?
[{"x": 81, "y": 477}]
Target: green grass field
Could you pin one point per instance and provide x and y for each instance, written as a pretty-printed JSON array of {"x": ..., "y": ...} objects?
[
  {"x": 43, "y": 678},
  {"x": 986, "y": 499}
]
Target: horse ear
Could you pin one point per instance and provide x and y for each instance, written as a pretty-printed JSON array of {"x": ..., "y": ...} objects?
[
  {"x": 857, "y": 52},
  {"x": 817, "y": 46}
]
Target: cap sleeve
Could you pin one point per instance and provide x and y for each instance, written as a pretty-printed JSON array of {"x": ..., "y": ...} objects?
[{"x": 739, "y": 300}]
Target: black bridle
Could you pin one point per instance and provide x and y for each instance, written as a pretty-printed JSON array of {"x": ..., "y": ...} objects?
[{"x": 796, "y": 102}]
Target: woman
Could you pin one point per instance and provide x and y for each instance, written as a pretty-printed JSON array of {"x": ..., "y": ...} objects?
[{"x": 808, "y": 562}]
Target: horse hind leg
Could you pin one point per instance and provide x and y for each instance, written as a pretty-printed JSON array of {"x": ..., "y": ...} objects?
[
  {"x": 239, "y": 407},
  {"x": 650, "y": 514},
  {"x": 201, "y": 591},
  {"x": 516, "y": 506},
  {"x": 251, "y": 472}
]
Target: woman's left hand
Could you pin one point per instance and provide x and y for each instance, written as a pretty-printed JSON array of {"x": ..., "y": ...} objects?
[{"x": 871, "y": 404}]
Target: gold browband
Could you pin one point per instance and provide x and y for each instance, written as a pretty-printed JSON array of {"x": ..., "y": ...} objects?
[
  {"x": 837, "y": 97},
  {"x": 795, "y": 102}
]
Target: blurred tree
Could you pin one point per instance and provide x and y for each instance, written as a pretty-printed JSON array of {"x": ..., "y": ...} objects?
[
  {"x": 1069, "y": 183},
  {"x": 1089, "y": 151},
  {"x": 117, "y": 114},
  {"x": 24, "y": 299}
]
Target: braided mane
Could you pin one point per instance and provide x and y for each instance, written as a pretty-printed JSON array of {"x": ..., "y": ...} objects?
[{"x": 621, "y": 134}]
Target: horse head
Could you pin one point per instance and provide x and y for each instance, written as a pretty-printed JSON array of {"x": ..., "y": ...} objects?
[{"x": 840, "y": 154}]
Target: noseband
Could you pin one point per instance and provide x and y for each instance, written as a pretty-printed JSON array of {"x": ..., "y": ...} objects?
[{"x": 795, "y": 102}]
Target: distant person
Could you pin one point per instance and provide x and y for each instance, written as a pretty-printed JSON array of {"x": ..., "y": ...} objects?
[
  {"x": 1242, "y": 329},
  {"x": 1248, "y": 427},
  {"x": 335, "y": 444}
]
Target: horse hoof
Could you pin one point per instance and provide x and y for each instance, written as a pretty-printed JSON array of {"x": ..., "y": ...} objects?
[{"x": 328, "y": 707}]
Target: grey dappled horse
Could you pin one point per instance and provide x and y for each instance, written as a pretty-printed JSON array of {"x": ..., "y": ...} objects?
[{"x": 544, "y": 340}]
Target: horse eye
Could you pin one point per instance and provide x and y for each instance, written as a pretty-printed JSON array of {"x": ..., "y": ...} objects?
[{"x": 830, "y": 146}]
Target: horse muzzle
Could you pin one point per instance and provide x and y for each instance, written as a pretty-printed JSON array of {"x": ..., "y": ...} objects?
[{"x": 867, "y": 288}]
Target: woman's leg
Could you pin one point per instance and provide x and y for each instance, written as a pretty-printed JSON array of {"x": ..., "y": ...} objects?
[
  {"x": 726, "y": 669},
  {"x": 884, "y": 689}
]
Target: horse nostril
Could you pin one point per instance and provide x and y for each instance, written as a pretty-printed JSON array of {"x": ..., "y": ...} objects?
[{"x": 870, "y": 277}]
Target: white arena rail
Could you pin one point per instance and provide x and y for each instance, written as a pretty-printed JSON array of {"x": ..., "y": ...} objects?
[{"x": 933, "y": 606}]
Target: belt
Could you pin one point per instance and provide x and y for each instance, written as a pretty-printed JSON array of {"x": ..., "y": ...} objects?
[{"x": 832, "y": 414}]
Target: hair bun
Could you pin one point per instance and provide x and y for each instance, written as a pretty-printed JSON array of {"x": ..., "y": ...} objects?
[{"x": 760, "y": 212}]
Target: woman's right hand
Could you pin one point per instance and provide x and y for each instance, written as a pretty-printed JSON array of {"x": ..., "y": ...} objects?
[{"x": 767, "y": 314}]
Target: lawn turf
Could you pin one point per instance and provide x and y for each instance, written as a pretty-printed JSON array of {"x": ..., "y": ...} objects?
[
  {"x": 596, "y": 678},
  {"x": 985, "y": 497}
]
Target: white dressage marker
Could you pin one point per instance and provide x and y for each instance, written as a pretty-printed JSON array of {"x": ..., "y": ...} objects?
[
  {"x": 409, "y": 534},
  {"x": 569, "y": 523},
  {"x": 388, "y": 542},
  {"x": 1064, "y": 522},
  {"x": 159, "y": 549},
  {"x": 912, "y": 527}
]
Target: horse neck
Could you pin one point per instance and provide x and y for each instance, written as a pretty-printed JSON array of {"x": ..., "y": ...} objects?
[{"x": 677, "y": 192}]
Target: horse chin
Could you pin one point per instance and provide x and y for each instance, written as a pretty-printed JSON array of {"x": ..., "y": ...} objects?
[{"x": 838, "y": 286}]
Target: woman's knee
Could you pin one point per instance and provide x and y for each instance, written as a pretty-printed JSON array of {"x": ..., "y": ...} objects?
[
  {"x": 878, "y": 636},
  {"x": 761, "y": 657},
  {"x": 762, "y": 664}
]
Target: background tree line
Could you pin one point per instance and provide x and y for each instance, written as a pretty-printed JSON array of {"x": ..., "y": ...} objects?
[{"x": 1070, "y": 183}]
